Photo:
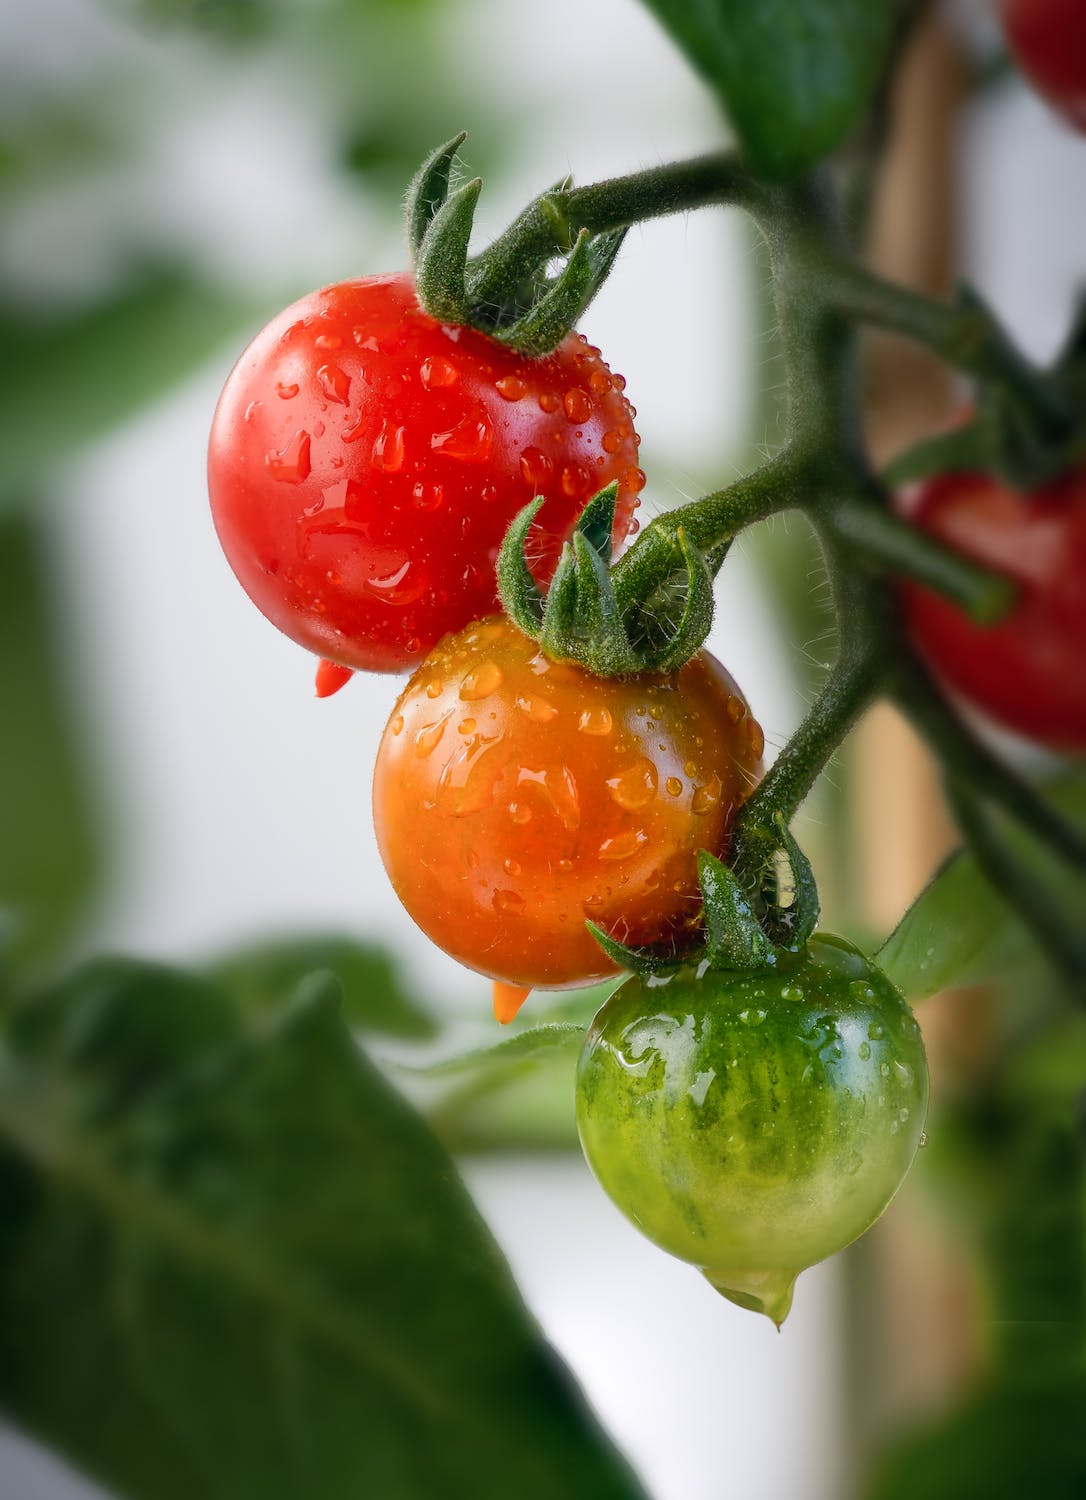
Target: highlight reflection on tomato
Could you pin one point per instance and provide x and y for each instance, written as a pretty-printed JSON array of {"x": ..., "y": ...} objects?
[
  {"x": 366, "y": 461},
  {"x": 514, "y": 797}
]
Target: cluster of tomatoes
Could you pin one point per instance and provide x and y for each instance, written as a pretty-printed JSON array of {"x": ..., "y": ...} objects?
[{"x": 366, "y": 461}]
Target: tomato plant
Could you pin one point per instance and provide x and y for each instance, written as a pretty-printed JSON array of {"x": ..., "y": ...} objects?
[
  {"x": 1026, "y": 669},
  {"x": 366, "y": 459},
  {"x": 515, "y": 796},
  {"x": 1048, "y": 40},
  {"x": 753, "y": 1123}
]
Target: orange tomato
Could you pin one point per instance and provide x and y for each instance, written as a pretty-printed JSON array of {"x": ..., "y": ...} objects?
[{"x": 514, "y": 797}]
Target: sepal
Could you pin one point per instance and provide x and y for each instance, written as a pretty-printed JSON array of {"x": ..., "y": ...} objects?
[
  {"x": 734, "y": 938},
  {"x": 520, "y": 595},
  {"x": 442, "y": 257},
  {"x": 648, "y": 962},
  {"x": 559, "y": 301},
  {"x": 429, "y": 190},
  {"x": 662, "y": 643}
]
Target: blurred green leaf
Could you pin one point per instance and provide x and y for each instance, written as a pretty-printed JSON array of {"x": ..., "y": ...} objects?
[
  {"x": 244, "y": 1268},
  {"x": 511, "y": 1053},
  {"x": 68, "y": 380},
  {"x": 796, "y": 76},
  {"x": 49, "y": 854},
  {"x": 261, "y": 976},
  {"x": 959, "y": 931},
  {"x": 1009, "y": 1442}
]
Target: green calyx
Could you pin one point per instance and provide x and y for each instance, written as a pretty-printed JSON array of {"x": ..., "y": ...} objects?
[
  {"x": 509, "y": 293},
  {"x": 582, "y": 619},
  {"x": 735, "y": 938}
]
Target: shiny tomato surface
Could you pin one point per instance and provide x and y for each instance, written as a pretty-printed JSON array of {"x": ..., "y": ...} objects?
[
  {"x": 1048, "y": 40},
  {"x": 514, "y": 797},
  {"x": 366, "y": 460},
  {"x": 1029, "y": 671}
]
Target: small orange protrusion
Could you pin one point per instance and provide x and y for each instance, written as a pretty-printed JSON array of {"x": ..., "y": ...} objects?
[
  {"x": 508, "y": 998},
  {"x": 331, "y": 677}
]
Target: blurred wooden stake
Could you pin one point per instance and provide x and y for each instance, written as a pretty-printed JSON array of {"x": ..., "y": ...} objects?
[{"x": 922, "y": 1347}]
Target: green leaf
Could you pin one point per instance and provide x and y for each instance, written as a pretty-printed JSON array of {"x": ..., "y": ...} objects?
[
  {"x": 959, "y": 931},
  {"x": 261, "y": 1278},
  {"x": 511, "y": 1052},
  {"x": 1009, "y": 1441},
  {"x": 796, "y": 76},
  {"x": 261, "y": 976},
  {"x": 49, "y": 854},
  {"x": 65, "y": 381}
]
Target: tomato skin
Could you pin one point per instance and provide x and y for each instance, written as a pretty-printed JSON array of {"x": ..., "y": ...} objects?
[
  {"x": 1048, "y": 40},
  {"x": 365, "y": 462},
  {"x": 753, "y": 1124},
  {"x": 1027, "y": 672},
  {"x": 514, "y": 797}
]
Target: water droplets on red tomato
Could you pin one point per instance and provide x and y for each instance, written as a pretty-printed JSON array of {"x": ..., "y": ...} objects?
[
  {"x": 291, "y": 463},
  {"x": 511, "y": 388},
  {"x": 334, "y": 383},
  {"x": 469, "y": 441},
  {"x": 578, "y": 404},
  {"x": 388, "y": 448},
  {"x": 438, "y": 374}
]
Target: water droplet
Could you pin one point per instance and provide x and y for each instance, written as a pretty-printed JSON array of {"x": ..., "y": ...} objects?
[
  {"x": 286, "y": 390},
  {"x": 565, "y": 865},
  {"x": 623, "y": 845},
  {"x": 396, "y": 723},
  {"x": 633, "y": 479},
  {"x": 612, "y": 441},
  {"x": 690, "y": 769},
  {"x": 600, "y": 382},
  {"x": 558, "y": 788},
  {"x": 755, "y": 738},
  {"x": 923, "y": 1138},
  {"x": 469, "y": 441},
  {"x": 466, "y": 726},
  {"x": 752, "y": 1017},
  {"x": 578, "y": 404},
  {"x": 793, "y": 992},
  {"x": 864, "y": 1051},
  {"x": 438, "y": 374},
  {"x": 489, "y": 493},
  {"x": 674, "y": 786},
  {"x": 549, "y": 402},
  {"x": 735, "y": 708},
  {"x": 884, "y": 1069},
  {"x": 404, "y": 585},
  {"x": 334, "y": 382},
  {"x": 876, "y": 1031},
  {"x": 291, "y": 464},
  {"x": 706, "y": 797},
  {"x": 903, "y": 1114},
  {"x": 388, "y": 448},
  {"x": 536, "y": 467},
  {"x": 520, "y": 812},
  {"x": 429, "y": 736},
  {"x": 433, "y": 690},
  {"x": 328, "y": 341},
  {"x": 511, "y": 388},
  {"x": 595, "y": 720},
  {"x": 354, "y": 430},
  {"x": 481, "y": 681},
  {"x": 251, "y": 411},
  {"x": 511, "y": 867},
  {"x": 575, "y": 480},
  {"x": 428, "y": 496},
  {"x": 508, "y": 902},
  {"x": 537, "y": 709}
]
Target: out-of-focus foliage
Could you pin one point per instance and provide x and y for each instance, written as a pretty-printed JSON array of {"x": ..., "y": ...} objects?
[
  {"x": 49, "y": 857},
  {"x": 960, "y": 931},
  {"x": 234, "y": 1263},
  {"x": 262, "y": 976},
  {"x": 795, "y": 76}
]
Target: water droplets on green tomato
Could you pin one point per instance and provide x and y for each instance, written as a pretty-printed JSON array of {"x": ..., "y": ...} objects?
[{"x": 747, "y": 1128}]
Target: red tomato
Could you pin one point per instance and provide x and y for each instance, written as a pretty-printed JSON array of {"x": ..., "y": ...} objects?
[
  {"x": 515, "y": 796},
  {"x": 1028, "y": 672},
  {"x": 365, "y": 462},
  {"x": 1048, "y": 39}
]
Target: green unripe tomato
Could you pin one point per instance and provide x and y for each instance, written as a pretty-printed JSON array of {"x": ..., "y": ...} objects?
[{"x": 754, "y": 1123}]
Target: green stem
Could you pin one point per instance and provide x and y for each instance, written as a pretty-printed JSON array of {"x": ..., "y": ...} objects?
[
  {"x": 972, "y": 769},
  {"x": 711, "y": 523},
  {"x": 1064, "y": 940},
  {"x": 550, "y": 224},
  {"x": 882, "y": 537},
  {"x": 965, "y": 335}
]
